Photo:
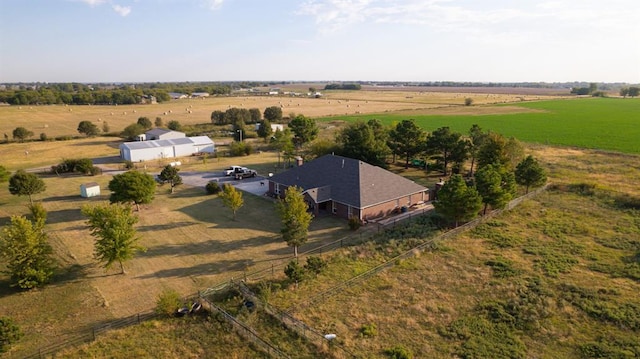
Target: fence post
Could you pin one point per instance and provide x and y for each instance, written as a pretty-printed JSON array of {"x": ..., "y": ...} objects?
[
  {"x": 272, "y": 271},
  {"x": 138, "y": 318},
  {"x": 93, "y": 331}
]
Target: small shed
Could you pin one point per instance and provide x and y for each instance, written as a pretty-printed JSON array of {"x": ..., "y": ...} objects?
[{"x": 90, "y": 189}]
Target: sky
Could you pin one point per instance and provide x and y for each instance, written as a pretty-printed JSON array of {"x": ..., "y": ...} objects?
[{"x": 319, "y": 40}]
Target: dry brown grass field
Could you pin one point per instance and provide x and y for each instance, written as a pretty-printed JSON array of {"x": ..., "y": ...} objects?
[
  {"x": 192, "y": 242},
  {"x": 60, "y": 120}
]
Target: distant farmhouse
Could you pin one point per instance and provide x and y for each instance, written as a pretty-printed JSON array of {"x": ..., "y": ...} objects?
[
  {"x": 177, "y": 95},
  {"x": 350, "y": 188},
  {"x": 274, "y": 127},
  {"x": 163, "y": 143},
  {"x": 199, "y": 94}
]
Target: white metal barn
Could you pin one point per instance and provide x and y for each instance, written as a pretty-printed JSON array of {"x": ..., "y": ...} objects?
[
  {"x": 202, "y": 144},
  {"x": 90, "y": 189},
  {"x": 163, "y": 134},
  {"x": 152, "y": 150}
]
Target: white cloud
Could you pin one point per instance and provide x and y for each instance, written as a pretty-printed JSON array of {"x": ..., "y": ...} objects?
[
  {"x": 462, "y": 17},
  {"x": 93, "y": 2},
  {"x": 122, "y": 10},
  {"x": 213, "y": 4}
]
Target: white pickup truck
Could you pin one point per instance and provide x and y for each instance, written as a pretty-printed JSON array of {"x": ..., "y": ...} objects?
[{"x": 232, "y": 170}]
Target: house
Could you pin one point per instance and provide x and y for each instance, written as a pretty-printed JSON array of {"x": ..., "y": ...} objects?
[
  {"x": 199, "y": 94},
  {"x": 177, "y": 95},
  {"x": 349, "y": 188},
  {"x": 162, "y": 134},
  {"x": 156, "y": 149},
  {"x": 274, "y": 127},
  {"x": 274, "y": 91},
  {"x": 90, "y": 189}
]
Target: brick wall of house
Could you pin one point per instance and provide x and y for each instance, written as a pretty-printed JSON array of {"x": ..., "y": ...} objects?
[{"x": 387, "y": 208}]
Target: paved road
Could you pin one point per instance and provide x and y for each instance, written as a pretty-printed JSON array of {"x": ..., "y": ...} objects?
[{"x": 256, "y": 185}]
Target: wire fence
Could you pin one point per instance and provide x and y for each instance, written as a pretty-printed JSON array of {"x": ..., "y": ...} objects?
[
  {"x": 244, "y": 330},
  {"x": 270, "y": 271},
  {"x": 312, "y": 335}
]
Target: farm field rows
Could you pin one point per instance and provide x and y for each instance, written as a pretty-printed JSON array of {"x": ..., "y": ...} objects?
[{"x": 609, "y": 124}]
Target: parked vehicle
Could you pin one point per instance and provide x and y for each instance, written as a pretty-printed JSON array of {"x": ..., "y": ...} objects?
[
  {"x": 245, "y": 173},
  {"x": 232, "y": 170}
]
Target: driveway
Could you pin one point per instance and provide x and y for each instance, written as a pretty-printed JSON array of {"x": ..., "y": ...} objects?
[{"x": 257, "y": 185}]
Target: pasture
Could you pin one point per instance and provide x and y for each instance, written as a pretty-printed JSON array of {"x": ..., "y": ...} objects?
[
  {"x": 564, "y": 258},
  {"x": 610, "y": 124},
  {"x": 60, "y": 120}
]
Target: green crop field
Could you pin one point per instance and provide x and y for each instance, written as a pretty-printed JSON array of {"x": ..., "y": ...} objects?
[{"x": 611, "y": 124}]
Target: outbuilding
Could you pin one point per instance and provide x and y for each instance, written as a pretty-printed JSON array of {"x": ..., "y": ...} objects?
[
  {"x": 162, "y": 134},
  {"x": 90, "y": 189},
  {"x": 178, "y": 147}
]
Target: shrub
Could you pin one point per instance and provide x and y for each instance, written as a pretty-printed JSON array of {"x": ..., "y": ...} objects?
[
  {"x": 502, "y": 267},
  {"x": 82, "y": 165},
  {"x": 294, "y": 271},
  {"x": 240, "y": 149},
  {"x": 213, "y": 187},
  {"x": 468, "y": 101},
  {"x": 128, "y": 164},
  {"x": 168, "y": 302},
  {"x": 43, "y": 137},
  {"x": 9, "y": 333},
  {"x": 354, "y": 223},
  {"x": 399, "y": 352},
  {"x": 368, "y": 331},
  {"x": 315, "y": 265}
]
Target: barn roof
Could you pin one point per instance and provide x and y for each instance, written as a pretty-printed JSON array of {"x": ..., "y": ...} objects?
[
  {"x": 201, "y": 140},
  {"x": 160, "y": 131},
  {"x": 348, "y": 181},
  {"x": 137, "y": 145}
]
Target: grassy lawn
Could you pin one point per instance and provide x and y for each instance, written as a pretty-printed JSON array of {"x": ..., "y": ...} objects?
[
  {"x": 596, "y": 123},
  {"x": 191, "y": 239}
]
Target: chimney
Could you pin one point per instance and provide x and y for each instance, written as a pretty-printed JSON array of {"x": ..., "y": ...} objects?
[{"x": 299, "y": 161}]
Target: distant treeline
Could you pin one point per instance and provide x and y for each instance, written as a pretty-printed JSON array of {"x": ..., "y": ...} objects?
[
  {"x": 343, "y": 87},
  {"x": 110, "y": 94}
]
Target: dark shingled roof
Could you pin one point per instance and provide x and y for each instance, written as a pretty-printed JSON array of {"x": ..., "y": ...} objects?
[{"x": 347, "y": 181}]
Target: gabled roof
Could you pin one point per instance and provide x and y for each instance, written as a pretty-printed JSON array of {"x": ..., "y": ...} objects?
[
  {"x": 201, "y": 140},
  {"x": 136, "y": 145},
  {"x": 159, "y": 131},
  {"x": 347, "y": 181}
]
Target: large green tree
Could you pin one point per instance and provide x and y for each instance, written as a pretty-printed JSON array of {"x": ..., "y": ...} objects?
[
  {"x": 408, "y": 140},
  {"x": 132, "y": 131},
  {"x": 273, "y": 114},
  {"x": 476, "y": 139},
  {"x": 132, "y": 186},
  {"x": 282, "y": 141},
  {"x": 295, "y": 218},
  {"x": 217, "y": 118},
  {"x": 26, "y": 184},
  {"x": 445, "y": 142},
  {"x": 112, "y": 225},
  {"x": 529, "y": 173},
  {"x": 358, "y": 140},
  {"x": 304, "y": 129},
  {"x": 145, "y": 122},
  {"x": 174, "y": 125},
  {"x": 88, "y": 128},
  {"x": 457, "y": 202},
  {"x": 231, "y": 198},
  {"x": 169, "y": 174},
  {"x": 256, "y": 115},
  {"x": 27, "y": 254},
  {"x": 496, "y": 185},
  {"x": 494, "y": 151},
  {"x": 21, "y": 134},
  {"x": 265, "y": 131}
]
